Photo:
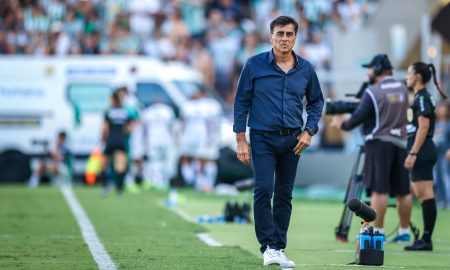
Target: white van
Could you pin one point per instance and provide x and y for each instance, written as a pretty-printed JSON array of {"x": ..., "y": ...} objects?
[{"x": 41, "y": 96}]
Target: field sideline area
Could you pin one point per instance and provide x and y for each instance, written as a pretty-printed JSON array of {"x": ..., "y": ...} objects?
[{"x": 39, "y": 231}]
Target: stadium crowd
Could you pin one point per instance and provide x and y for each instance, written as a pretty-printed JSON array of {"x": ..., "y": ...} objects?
[{"x": 214, "y": 36}]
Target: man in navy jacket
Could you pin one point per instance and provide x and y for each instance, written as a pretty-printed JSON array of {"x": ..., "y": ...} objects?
[{"x": 269, "y": 99}]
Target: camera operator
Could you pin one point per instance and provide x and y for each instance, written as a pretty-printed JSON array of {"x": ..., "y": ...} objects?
[{"x": 382, "y": 113}]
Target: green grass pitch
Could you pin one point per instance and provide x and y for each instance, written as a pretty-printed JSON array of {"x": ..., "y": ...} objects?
[{"x": 38, "y": 231}]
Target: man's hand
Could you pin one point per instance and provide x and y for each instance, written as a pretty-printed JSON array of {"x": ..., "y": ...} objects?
[
  {"x": 243, "y": 148},
  {"x": 448, "y": 155},
  {"x": 304, "y": 140},
  {"x": 409, "y": 162}
]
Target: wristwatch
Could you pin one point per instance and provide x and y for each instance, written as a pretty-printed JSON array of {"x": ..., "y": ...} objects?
[
  {"x": 412, "y": 153},
  {"x": 310, "y": 131}
]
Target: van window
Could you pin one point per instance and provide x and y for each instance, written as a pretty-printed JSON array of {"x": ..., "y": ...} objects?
[
  {"x": 148, "y": 93},
  {"x": 188, "y": 88},
  {"x": 89, "y": 97}
]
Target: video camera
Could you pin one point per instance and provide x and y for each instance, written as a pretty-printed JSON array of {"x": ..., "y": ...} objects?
[{"x": 340, "y": 107}]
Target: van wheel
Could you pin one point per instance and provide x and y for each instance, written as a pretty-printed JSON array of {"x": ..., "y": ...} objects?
[{"x": 14, "y": 167}]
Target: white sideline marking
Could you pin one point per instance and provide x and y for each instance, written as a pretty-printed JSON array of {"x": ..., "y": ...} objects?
[
  {"x": 207, "y": 239},
  {"x": 99, "y": 253},
  {"x": 204, "y": 237},
  {"x": 182, "y": 214}
]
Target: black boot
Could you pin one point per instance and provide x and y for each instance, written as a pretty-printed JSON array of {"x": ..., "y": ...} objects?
[{"x": 420, "y": 245}]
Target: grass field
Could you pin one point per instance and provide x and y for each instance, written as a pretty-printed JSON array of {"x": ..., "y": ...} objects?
[{"x": 38, "y": 231}]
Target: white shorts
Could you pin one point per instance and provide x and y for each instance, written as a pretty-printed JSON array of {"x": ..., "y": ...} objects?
[{"x": 137, "y": 149}]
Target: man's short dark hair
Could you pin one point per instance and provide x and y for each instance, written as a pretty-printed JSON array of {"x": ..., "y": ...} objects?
[{"x": 283, "y": 20}]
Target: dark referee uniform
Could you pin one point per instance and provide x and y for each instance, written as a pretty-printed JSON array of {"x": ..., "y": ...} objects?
[
  {"x": 117, "y": 119},
  {"x": 423, "y": 105}
]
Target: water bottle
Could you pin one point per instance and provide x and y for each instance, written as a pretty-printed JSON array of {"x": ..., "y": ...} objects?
[
  {"x": 378, "y": 241},
  {"x": 200, "y": 219},
  {"x": 237, "y": 219},
  {"x": 210, "y": 220},
  {"x": 364, "y": 237},
  {"x": 220, "y": 219},
  {"x": 365, "y": 240}
]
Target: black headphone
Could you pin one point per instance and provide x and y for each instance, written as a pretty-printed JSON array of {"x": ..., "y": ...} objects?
[{"x": 379, "y": 60}]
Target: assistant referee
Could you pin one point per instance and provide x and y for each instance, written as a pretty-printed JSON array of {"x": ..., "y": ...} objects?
[{"x": 422, "y": 151}]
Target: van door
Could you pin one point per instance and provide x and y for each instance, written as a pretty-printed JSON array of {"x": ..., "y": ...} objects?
[{"x": 89, "y": 102}]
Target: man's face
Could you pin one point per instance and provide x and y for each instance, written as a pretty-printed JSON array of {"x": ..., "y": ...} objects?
[
  {"x": 283, "y": 38},
  {"x": 411, "y": 77}
]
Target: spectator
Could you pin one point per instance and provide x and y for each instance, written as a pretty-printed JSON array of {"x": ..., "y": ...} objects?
[
  {"x": 55, "y": 9},
  {"x": 315, "y": 11},
  {"x": 160, "y": 46},
  {"x": 92, "y": 21},
  {"x": 56, "y": 163},
  {"x": 230, "y": 9},
  {"x": 17, "y": 36},
  {"x": 193, "y": 12},
  {"x": 39, "y": 45},
  {"x": 112, "y": 8},
  {"x": 316, "y": 51},
  {"x": 174, "y": 27},
  {"x": 201, "y": 60},
  {"x": 251, "y": 45},
  {"x": 351, "y": 14},
  {"x": 141, "y": 12},
  {"x": 125, "y": 42},
  {"x": 4, "y": 48},
  {"x": 36, "y": 20},
  {"x": 222, "y": 43},
  {"x": 72, "y": 25},
  {"x": 91, "y": 44},
  {"x": 61, "y": 40}
]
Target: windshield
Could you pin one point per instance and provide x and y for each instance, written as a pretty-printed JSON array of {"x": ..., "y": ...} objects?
[
  {"x": 148, "y": 93},
  {"x": 89, "y": 97},
  {"x": 188, "y": 88}
]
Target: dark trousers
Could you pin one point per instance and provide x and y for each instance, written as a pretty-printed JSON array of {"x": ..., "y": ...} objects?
[{"x": 275, "y": 166}]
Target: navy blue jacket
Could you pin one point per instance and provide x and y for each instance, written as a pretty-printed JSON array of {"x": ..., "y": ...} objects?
[{"x": 273, "y": 99}]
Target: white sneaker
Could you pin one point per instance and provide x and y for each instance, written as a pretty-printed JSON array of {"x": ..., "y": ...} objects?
[
  {"x": 271, "y": 256},
  {"x": 284, "y": 261}
]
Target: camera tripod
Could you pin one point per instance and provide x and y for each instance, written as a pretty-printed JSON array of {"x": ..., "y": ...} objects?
[{"x": 355, "y": 188}]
